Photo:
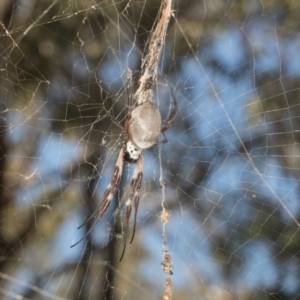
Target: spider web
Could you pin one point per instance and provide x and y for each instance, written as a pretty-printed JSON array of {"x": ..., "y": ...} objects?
[{"x": 221, "y": 197}]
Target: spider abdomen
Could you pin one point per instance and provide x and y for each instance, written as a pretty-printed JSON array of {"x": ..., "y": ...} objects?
[{"x": 145, "y": 125}]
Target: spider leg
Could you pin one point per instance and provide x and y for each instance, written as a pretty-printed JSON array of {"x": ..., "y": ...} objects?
[
  {"x": 165, "y": 140},
  {"x": 99, "y": 208},
  {"x": 127, "y": 217},
  {"x": 118, "y": 124},
  {"x": 129, "y": 91},
  {"x": 170, "y": 118},
  {"x": 136, "y": 203},
  {"x": 135, "y": 185},
  {"x": 107, "y": 196},
  {"x": 172, "y": 114}
]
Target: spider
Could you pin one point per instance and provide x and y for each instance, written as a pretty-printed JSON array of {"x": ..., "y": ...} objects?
[{"x": 141, "y": 130}]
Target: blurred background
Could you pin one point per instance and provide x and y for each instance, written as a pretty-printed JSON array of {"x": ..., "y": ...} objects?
[{"x": 231, "y": 165}]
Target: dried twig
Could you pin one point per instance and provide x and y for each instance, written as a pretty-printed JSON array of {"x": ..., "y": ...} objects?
[
  {"x": 167, "y": 295},
  {"x": 150, "y": 61},
  {"x": 144, "y": 93}
]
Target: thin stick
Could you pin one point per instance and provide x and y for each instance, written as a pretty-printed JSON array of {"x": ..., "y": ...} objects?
[{"x": 156, "y": 42}]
